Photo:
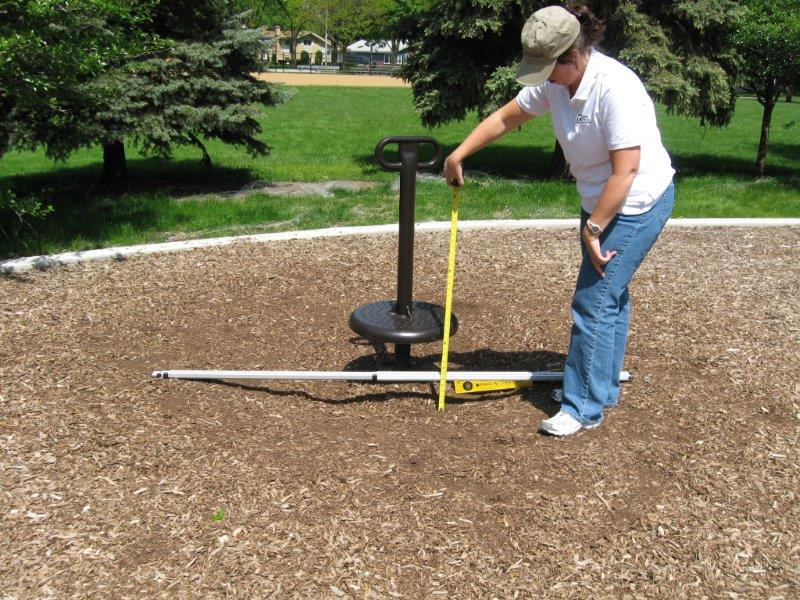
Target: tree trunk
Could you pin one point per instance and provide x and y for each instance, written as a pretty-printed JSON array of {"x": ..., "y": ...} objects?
[
  {"x": 789, "y": 94},
  {"x": 205, "y": 162},
  {"x": 766, "y": 120},
  {"x": 293, "y": 48},
  {"x": 115, "y": 166},
  {"x": 558, "y": 168}
]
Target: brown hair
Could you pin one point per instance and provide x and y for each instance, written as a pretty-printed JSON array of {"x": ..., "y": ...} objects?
[{"x": 591, "y": 33}]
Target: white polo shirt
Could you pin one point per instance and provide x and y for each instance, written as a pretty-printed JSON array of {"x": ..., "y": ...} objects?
[{"x": 610, "y": 110}]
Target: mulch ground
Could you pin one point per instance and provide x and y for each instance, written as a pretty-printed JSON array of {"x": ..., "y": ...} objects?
[{"x": 111, "y": 481}]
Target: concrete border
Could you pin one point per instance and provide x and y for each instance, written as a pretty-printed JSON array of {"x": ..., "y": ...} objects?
[{"x": 53, "y": 260}]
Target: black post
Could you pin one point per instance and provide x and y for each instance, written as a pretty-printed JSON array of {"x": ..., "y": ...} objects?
[
  {"x": 402, "y": 321},
  {"x": 405, "y": 253},
  {"x": 409, "y": 157}
]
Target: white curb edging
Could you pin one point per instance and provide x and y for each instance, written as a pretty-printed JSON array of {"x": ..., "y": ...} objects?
[{"x": 52, "y": 260}]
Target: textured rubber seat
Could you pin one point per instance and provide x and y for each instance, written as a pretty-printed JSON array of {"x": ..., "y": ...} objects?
[{"x": 379, "y": 321}]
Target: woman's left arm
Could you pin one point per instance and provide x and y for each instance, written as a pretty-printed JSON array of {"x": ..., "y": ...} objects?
[{"x": 624, "y": 166}]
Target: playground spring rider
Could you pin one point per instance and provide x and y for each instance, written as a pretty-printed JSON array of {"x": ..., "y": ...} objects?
[{"x": 403, "y": 321}]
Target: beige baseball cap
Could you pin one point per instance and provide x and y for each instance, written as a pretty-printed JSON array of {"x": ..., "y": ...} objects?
[{"x": 546, "y": 35}]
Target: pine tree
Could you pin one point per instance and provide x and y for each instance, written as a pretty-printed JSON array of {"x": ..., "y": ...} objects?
[
  {"x": 464, "y": 54},
  {"x": 166, "y": 73},
  {"x": 48, "y": 49}
]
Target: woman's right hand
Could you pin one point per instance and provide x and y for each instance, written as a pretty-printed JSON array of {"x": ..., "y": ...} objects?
[{"x": 453, "y": 173}]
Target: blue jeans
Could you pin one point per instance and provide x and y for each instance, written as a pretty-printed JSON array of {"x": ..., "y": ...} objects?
[{"x": 601, "y": 310}]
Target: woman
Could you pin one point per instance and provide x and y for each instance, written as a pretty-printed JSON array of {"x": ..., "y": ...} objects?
[{"x": 605, "y": 122}]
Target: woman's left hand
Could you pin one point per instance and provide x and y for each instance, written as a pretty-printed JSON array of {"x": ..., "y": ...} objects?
[{"x": 596, "y": 255}]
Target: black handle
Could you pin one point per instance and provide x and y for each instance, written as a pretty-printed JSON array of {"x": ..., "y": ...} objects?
[{"x": 407, "y": 139}]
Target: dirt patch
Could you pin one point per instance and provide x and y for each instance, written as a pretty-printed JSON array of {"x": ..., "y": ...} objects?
[
  {"x": 323, "y": 189},
  {"x": 111, "y": 480},
  {"x": 301, "y": 79}
]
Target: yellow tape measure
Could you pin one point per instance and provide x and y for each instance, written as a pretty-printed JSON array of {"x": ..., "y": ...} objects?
[
  {"x": 448, "y": 305},
  {"x": 478, "y": 387}
]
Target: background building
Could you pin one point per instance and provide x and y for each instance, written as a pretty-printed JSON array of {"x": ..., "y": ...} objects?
[
  {"x": 312, "y": 43},
  {"x": 377, "y": 54}
]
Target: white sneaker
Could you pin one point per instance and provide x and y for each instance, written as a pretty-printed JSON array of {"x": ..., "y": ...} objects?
[
  {"x": 557, "y": 395},
  {"x": 563, "y": 424}
]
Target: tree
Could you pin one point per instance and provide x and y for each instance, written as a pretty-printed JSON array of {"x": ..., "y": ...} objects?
[
  {"x": 48, "y": 49},
  {"x": 345, "y": 22},
  {"x": 390, "y": 19},
  {"x": 464, "y": 54},
  {"x": 141, "y": 79},
  {"x": 294, "y": 15},
  {"x": 768, "y": 40}
]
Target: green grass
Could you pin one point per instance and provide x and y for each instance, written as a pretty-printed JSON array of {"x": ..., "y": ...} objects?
[{"x": 327, "y": 133}]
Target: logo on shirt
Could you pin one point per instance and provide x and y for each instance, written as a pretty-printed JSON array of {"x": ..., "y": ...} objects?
[{"x": 582, "y": 119}]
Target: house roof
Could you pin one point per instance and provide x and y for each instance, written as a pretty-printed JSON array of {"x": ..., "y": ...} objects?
[
  {"x": 379, "y": 46},
  {"x": 285, "y": 35}
]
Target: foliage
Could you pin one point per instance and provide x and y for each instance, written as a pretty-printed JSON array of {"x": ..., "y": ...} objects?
[
  {"x": 161, "y": 73},
  {"x": 678, "y": 48},
  {"x": 309, "y": 145},
  {"x": 193, "y": 91},
  {"x": 768, "y": 40},
  {"x": 682, "y": 50},
  {"x": 50, "y": 47},
  {"x": 293, "y": 15},
  {"x": 345, "y": 20},
  {"x": 195, "y": 21},
  {"x": 501, "y": 86},
  {"x": 16, "y": 212}
]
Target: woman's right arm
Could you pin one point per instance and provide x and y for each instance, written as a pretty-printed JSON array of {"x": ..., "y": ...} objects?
[{"x": 493, "y": 127}]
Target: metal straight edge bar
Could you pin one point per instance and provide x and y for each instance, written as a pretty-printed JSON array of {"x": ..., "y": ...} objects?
[
  {"x": 121, "y": 252},
  {"x": 372, "y": 376}
]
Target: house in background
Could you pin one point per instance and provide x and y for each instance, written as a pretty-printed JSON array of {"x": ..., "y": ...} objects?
[
  {"x": 308, "y": 41},
  {"x": 377, "y": 54}
]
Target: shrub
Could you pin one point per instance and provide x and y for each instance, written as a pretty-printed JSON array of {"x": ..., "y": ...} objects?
[{"x": 16, "y": 212}]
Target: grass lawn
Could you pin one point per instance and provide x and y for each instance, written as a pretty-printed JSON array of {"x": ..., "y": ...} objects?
[{"x": 327, "y": 133}]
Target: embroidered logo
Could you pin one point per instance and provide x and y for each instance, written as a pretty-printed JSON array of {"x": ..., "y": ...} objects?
[{"x": 581, "y": 119}]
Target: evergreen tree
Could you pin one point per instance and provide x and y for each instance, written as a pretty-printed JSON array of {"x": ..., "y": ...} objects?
[
  {"x": 169, "y": 73},
  {"x": 768, "y": 41},
  {"x": 48, "y": 49},
  {"x": 465, "y": 52}
]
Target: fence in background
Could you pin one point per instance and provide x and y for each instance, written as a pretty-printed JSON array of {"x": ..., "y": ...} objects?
[{"x": 346, "y": 69}]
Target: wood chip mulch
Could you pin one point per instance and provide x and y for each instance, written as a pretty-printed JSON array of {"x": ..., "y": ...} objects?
[{"x": 115, "y": 485}]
